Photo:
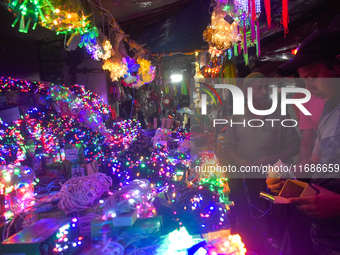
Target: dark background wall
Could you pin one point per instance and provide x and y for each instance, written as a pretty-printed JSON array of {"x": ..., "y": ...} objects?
[{"x": 19, "y": 59}]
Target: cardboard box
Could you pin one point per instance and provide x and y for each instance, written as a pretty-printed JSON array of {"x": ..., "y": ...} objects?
[
  {"x": 10, "y": 114},
  {"x": 125, "y": 219},
  {"x": 294, "y": 188}
]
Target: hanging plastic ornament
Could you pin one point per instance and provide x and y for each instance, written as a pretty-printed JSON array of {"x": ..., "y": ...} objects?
[
  {"x": 215, "y": 52},
  {"x": 108, "y": 51},
  {"x": 118, "y": 68},
  {"x": 89, "y": 38},
  {"x": 146, "y": 73},
  {"x": 221, "y": 33}
]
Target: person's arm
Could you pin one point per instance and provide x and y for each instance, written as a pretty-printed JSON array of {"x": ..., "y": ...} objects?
[
  {"x": 275, "y": 184},
  {"x": 324, "y": 205},
  {"x": 307, "y": 137}
]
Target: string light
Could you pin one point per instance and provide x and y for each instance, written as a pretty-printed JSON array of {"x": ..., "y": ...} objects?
[
  {"x": 116, "y": 68},
  {"x": 179, "y": 242},
  {"x": 107, "y": 53},
  {"x": 146, "y": 72},
  {"x": 17, "y": 186},
  {"x": 34, "y": 87},
  {"x": 66, "y": 239},
  {"x": 79, "y": 193},
  {"x": 136, "y": 195},
  {"x": 51, "y": 16},
  {"x": 214, "y": 52},
  {"x": 89, "y": 38},
  {"x": 221, "y": 34}
]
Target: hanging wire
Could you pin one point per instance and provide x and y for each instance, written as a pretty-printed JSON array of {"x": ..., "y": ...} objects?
[{"x": 252, "y": 206}]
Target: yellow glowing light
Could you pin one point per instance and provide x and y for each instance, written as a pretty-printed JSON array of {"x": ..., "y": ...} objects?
[
  {"x": 107, "y": 50},
  {"x": 61, "y": 21},
  {"x": 198, "y": 74},
  {"x": 117, "y": 68},
  {"x": 220, "y": 33},
  {"x": 231, "y": 245},
  {"x": 146, "y": 72}
]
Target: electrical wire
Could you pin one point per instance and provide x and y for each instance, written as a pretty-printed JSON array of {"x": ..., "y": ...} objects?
[
  {"x": 79, "y": 193},
  {"x": 251, "y": 205}
]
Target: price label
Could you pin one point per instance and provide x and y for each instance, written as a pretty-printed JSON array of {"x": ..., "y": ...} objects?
[{"x": 72, "y": 154}]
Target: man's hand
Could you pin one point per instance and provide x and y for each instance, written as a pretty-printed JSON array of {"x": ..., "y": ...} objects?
[
  {"x": 326, "y": 204},
  {"x": 265, "y": 161},
  {"x": 275, "y": 185}
]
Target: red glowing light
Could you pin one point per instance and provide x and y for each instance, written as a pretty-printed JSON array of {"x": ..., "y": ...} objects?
[{"x": 294, "y": 51}]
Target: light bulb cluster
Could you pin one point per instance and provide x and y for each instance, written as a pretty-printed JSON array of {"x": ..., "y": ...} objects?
[
  {"x": 45, "y": 126},
  {"x": 215, "y": 52},
  {"x": 179, "y": 242},
  {"x": 224, "y": 34},
  {"x": 243, "y": 6},
  {"x": 83, "y": 105},
  {"x": 34, "y": 87},
  {"x": 66, "y": 239},
  {"x": 117, "y": 68},
  {"x": 229, "y": 245},
  {"x": 89, "y": 38},
  {"x": 157, "y": 168},
  {"x": 17, "y": 187},
  {"x": 65, "y": 22},
  {"x": 146, "y": 72},
  {"x": 50, "y": 15},
  {"x": 69, "y": 18},
  {"x": 108, "y": 52},
  {"x": 221, "y": 34},
  {"x": 88, "y": 139},
  {"x": 10, "y": 148},
  {"x": 137, "y": 195},
  {"x": 235, "y": 25},
  {"x": 198, "y": 74},
  {"x": 199, "y": 210}
]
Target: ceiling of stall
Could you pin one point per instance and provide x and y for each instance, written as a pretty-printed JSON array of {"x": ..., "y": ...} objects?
[{"x": 176, "y": 26}]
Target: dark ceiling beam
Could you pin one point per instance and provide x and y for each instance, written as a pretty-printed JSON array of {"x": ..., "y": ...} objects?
[{"x": 154, "y": 15}]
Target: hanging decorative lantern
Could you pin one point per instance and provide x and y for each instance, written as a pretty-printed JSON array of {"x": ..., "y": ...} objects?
[
  {"x": 117, "y": 68},
  {"x": 222, "y": 33}
]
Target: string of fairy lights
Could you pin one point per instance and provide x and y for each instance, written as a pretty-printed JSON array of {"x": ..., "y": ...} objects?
[
  {"x": 74, "y": 17},
  {"x": 124, "y": 156},
  {"x": 199, "y": 207},
  {"x": 44, "y": 125}
]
